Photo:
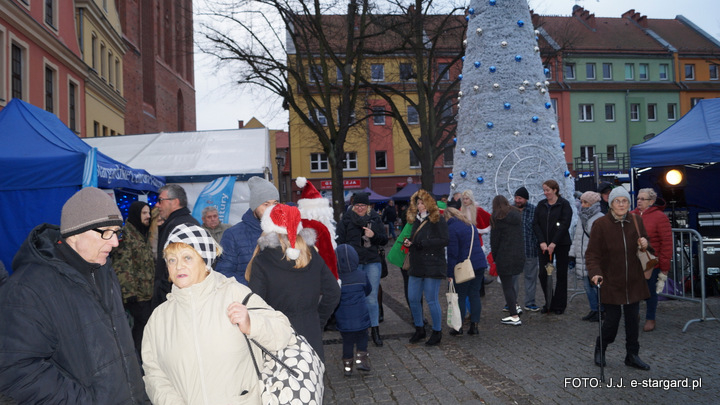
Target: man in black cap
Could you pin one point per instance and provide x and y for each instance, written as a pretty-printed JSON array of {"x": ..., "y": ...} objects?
[
  {"x": 604, "y": 189},
  {"x": 64, "y": 337},
  {"x": 531, "y": 267}
]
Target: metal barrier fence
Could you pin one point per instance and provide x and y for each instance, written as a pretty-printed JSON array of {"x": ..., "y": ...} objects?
[{"x": 687, "y": 269}]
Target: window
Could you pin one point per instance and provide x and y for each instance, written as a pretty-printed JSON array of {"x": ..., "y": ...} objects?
[
  {"x": 50, "y": 13},
  {"x": 569, "y": 71},
  {"x": 406, "y": 71},
  {"x": 553, "y": 101},
  {"x": 629, "y": 71},
  {"x": 695, "y": 100},
  {"x": 110, "y": 69},
  {"x": 587, "y": 153},
  {"x": 49, "y": 89},
  {"x": 93, "y": 52},
  {"x": 339, "y": 74},
  {"x": 634, "y": 112},
  {"x": 672, "y": 111},
  {"x": 321, "y": 118},
  {"x": 318, "y": 162},
  {"x": 379, "y": 115},
  {"x": 609, "y": 112},
  {"x": 377, "y": 72},
  {"x": 105, "y": 131},
  {"x": 590, "y": 71},
  {"x": 448, "y": 155},
  {"x": 586, "y": 113},
  {"x": 548, "y": 72},
  {"x": 611, "y": 153},
  {"x": 689, "y": 72},
  {"x": 117, "y": 74},
  {"x": 315, "y": 74},
  {"x": 713, "y": 72},
  {"x": 381, "y": 159},
  {"x": 414, "y": 161},
  {"x": 664, "y": 71},
  {"x": 444, "y": 71},
  {"x": 17, "y": 68},
  {"x": 3, "y": 67},
  {"x": 350, "y": 161},
  {"x": 72, "y": 106},
  {"x": 96, "y": 129},
  {"x": 102, "y": 60},
  {"x": 652, "y": 112},
  {"x": 412, "y": 115},
  {"x": 607, "y": 71},
  {"x": 352, "y": 116},
  {"x": 643, "y": 73}
]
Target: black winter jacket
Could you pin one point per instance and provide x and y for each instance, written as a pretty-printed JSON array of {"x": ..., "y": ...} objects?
[
  {"x": 427, "y": 252},
  {"x": 350, "y": 230},
  {"x": 62, "y": 339},
  {"x": 552, "y": 222},
  {"x": 508, "y": 243},
  {"x": 162, "y": 285}
]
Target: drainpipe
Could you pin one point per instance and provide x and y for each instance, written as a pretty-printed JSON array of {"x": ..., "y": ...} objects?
[{"x": 627, "y": 122}]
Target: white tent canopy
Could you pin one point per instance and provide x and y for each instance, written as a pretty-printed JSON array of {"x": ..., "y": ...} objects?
[{"x": 193, "y": 159}]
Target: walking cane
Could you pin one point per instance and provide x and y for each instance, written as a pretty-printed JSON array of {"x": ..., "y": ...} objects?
[
  {"x": 600, "y": 322},
  {"x": 549, "y": 268}
]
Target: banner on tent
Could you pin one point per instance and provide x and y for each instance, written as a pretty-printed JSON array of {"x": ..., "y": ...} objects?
[{"x": 218, "y": 193}]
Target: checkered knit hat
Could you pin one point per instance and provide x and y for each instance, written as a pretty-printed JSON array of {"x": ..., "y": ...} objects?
[{"x": 198, "y": 238}]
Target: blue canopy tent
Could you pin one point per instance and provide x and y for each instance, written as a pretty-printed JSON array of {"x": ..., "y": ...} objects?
[
  {"x": 42, "y": 164},
  {"x": 439, "y": 189},
  {"x": 693, "y": 142}
]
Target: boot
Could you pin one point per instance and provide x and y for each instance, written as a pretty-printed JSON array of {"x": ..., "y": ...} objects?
[
  {"x": 454, "y": 332},
  {"x": 347, "y": 367},
  {"x": 434, "y": 338},
  {"x": 362, "y": 361},
  {"x": 599, "y": 359},
  {"x": 419, "y": 334},
  {"x": 633, "y": 360},
  {"x": 473, "y": 329},
  {"x": 375, "y": 332},
  {"x": 649, "y": 325},
  {"x": 591, "y": 315}
]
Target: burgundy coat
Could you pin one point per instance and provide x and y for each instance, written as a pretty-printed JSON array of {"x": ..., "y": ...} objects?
[
  {"x": 611, "y": 253},
  {"x": 659, "y": 231}
]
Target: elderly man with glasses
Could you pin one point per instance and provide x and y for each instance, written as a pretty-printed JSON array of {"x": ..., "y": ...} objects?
[
  {"x": 172, "y": 204},
  {"x": 64, "y": 337}
]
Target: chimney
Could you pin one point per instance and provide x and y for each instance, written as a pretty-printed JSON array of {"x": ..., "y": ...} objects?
[
  {"x": 590, "y": 19},
  {"x": 628, "y": 13},
  {"x": 637, "y": 18},
  {"x": 241, "y": 124}
]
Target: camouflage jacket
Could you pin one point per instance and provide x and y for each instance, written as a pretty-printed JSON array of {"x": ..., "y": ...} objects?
[{"x": 134, "y": 265}]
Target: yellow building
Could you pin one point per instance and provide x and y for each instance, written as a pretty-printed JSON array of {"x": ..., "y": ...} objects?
[{"x": 100, "y": 38}]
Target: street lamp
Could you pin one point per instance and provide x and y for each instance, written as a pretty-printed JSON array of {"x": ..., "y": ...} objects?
[{"x": 280, "y": 163}]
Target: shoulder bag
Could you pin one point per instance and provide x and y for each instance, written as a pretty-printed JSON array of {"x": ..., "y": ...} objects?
[
  {"x": 464, "y": 271},
  {"x": 294, "y": 374},
  {"x": 406, "y": 262},
  {"x": 647, "y": 259}
]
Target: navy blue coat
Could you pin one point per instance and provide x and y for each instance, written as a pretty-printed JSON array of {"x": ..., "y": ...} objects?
[
  {"x": 459, "y": 234},
  {"x": 238, "y": 243},
  {"x": 352, "y": 314}
]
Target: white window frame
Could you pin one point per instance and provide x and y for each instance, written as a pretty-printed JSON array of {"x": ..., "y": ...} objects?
[
  {"x": 315, "y": 74},
  {"x": 409, "y": 78},
  {"x": 612, "y": 112},
  {"x": 569, "y": 71},
  {"x": 55, "y": 85},
  {"x": 378, "y": 119},
  {"x": 338, "y": 74},
  {"x": 76, "y": 117},
  {"x": 321, "y": 118},
  {"x": 586, "y": 153},
  {"x": 446, "y": 75},
  {"x": 646, "y": 75},
  {"x": 609, "y": 76},
  {"x": 320, "y": 162},
  {"x": 629, "y": 71},
  {"x": 586, "y": 112},
  {"x": 635, "y": 112},
  {"x": 350, "y": 162},
  {"x": 590, "y": 69},
  {"x": 611, "y": 151},
  {"x": 384, "y": 153},
  {"x": 652, "y": 112},
  {"x": 24, "y": 69},
  {"x": 691, "y": 76},
  {"x": 412, "y": 155},
  {"x": 664, "y": 71},
  {"x": 377, "y": 72},
  {"x": 103, "y": 50},
  {"x": 412, "y": 113},
  {"x": 53, "y": 25},
  {"x": 549, "y": 74},
  {"x": 695, "y": 100},
  {"x": 672, "y": 111},
  {"x": 713, "y": 71}
]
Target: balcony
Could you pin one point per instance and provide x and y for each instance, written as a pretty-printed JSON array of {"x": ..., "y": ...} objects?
[{"x": 614, "y": 164}]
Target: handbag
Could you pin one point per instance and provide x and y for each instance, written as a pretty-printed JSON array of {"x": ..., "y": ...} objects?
[
  {"x": 647, "y": 259},
  {"x": 464, "y": 270},
  {"x": 406, "y": 262},
  {"x": 294, "y": 374},
  {"x": 384, "y": 271},
  {"x": 454, "y": 318}
]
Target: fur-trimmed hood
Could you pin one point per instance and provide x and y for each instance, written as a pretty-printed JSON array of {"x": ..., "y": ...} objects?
[{"x": 430, "y": 205}]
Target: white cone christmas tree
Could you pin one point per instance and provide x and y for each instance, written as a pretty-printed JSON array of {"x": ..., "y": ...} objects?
[{"x": 507, "y": 134}]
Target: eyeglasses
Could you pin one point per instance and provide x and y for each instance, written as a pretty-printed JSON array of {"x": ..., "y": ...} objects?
[
  {"x": 165, "y": 199},
  {"x": 620, "y": 202},
  {"x": 107, "y": 234}
]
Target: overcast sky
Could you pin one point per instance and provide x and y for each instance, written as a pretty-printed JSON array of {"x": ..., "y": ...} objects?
[{"x": 221, "y": 104}]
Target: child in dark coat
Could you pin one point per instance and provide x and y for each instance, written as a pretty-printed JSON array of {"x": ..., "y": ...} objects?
[{"x": 352, "y": 315}]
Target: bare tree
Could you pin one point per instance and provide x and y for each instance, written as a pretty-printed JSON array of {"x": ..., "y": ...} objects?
[{"x": 294, "y": 49}]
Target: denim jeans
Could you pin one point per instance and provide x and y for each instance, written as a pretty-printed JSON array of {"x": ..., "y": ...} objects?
[
  {"x": 592, "y": 294},
  {"x": 653, "y": 300},
  {"x": 373, "y": 271},
  {"x": 430, "y": 287},
  {"x": 530, "y": 273},
  {"x": 471, "y": 289}
]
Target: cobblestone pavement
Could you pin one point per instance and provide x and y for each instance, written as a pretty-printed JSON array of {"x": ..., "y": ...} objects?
[{"x": 547, "y": 360}]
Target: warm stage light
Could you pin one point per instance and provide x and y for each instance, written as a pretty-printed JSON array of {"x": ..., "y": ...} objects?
[{"x": 674, "y": 177}]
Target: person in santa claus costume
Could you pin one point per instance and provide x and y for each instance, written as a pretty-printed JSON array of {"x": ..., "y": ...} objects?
[{"x": 317, "y": 214}]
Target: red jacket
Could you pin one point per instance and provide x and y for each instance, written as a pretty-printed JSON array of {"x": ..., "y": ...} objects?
[{"x": 659, "y": 232}]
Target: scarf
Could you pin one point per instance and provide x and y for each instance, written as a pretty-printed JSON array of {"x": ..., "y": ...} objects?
[{"x": 588, "y": 212}]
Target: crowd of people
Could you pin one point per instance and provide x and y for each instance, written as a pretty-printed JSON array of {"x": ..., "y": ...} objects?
[{"x": 157, "y": 308}]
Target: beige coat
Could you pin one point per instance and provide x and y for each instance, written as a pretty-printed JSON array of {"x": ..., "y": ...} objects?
[{"x": 191, "y": 352}]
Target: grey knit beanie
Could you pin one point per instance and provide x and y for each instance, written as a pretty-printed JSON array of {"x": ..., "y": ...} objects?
[
  {"x": 618, "y": 192},
  {"x": 261, "y": 190},
  {"x": 89, "y": 208}
]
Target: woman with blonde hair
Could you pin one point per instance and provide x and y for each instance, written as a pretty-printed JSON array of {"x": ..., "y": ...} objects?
[
  {"x": 288, "y": 272},
  {"x": 426, "y": 245}
]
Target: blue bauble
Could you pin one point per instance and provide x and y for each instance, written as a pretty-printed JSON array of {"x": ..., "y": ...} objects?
[
  {"x": 490, "y": 125},
  {"x": 567, "y": 173},
  {"x": 477, "y": 64},
  {"x": 492, "y": 2},
  {"x": 493, "y": 69},
  {"x": 548, "y": 105},
  {"x": 518, "y": 58},
  {"x": 520, "y": 23},
  {"x": 535, "y": 118},
  {"x": 467, "y": 18},
  {"x": 562, "y": 145},
  {"x": 460, "y": 76},
  {"x": 547, "y": 71},
  {"x": 507, "y": 106},
  {"x": 471, "y": 11},
  {"x": 450, "y": 176},
  {"x": 455, "y": 140},
  {"x": 463, "y": 59},
  {"x": 473, "y": 152},
  {"x": 463, "y": 174},
  {"x": 480, "y": 180}
]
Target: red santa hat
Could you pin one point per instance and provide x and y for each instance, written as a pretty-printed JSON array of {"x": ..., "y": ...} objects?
[
  {"x": 285, "y": 220},
  {"x": 313, "y": 205}
]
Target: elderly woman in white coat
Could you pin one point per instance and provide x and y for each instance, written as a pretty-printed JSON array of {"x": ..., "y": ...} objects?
[
  {"x": 193, "y": 347},
  {"x": 590, "y": 210}
]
